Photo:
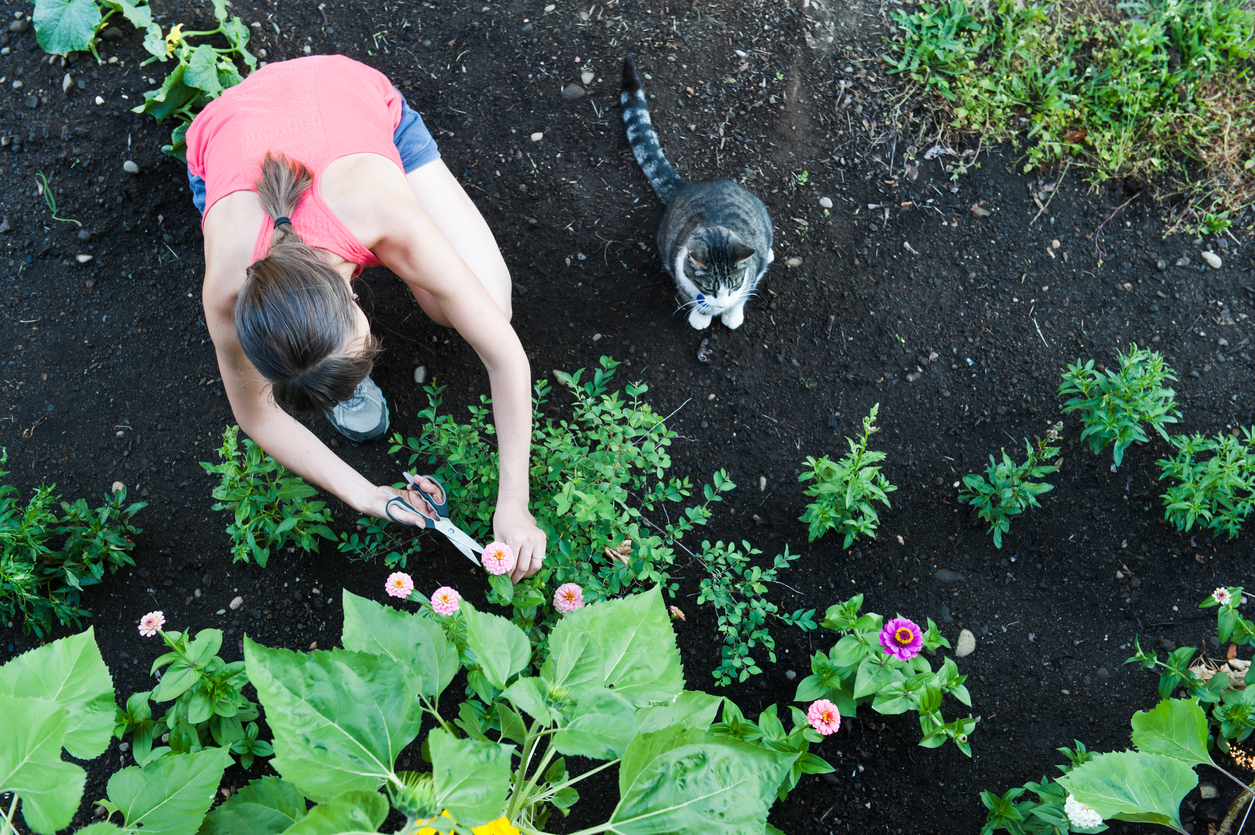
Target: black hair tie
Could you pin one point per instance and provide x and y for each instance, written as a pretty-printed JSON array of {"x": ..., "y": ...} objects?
[{"x": 282, "y": 220}]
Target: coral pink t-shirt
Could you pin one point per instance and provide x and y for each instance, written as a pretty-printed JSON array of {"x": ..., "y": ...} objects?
[{"x": 312, "y": 110}]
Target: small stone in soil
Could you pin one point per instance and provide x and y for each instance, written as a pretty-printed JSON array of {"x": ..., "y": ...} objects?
[
  {"x": 420, "y": 374},
  {"x": 587, "y": 77},
  {"x": 947, "y": 577},
  {"x": 1207, "y": 791},
  {"x": 130, "y": 167},
  {"x": 84, "y": 235},
  {"x": 572, "y": 91},
  {"x": 236, "y": 603},
  {"x": 825, "y": 202},
  {"x": 537, "y": 136},
  {"x": 966, "y": 644},
  {"x": 1212, "y": 259},
  {"x": 791, "y": 675}
]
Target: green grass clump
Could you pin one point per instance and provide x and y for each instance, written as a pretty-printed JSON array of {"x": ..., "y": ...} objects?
[{"x": 1159, "y": 90}]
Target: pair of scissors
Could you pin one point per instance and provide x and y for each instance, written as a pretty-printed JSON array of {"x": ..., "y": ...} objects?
[{"x": 460, "y": 539}]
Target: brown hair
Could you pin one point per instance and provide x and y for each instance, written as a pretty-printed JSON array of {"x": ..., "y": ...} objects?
[{"x": 294, "y": 316}]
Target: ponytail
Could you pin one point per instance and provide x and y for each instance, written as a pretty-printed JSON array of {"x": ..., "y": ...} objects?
[{"x": 294, "y": 317}]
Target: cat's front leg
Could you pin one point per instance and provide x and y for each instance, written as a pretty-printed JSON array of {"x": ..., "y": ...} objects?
[
  {"x": 699, "y": 320},
  {"x": 734, "y": 316}
]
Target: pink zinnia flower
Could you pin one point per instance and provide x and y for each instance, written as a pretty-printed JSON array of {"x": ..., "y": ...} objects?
[
  {"x": 568, "y": 598},
  {"x": 445, "y": 600},
  {"x": 150, "y": 623},
  {"x": 824, "y": 717},
  {"x": 498, "y": 558},
  {"x": 399, "y": 584},
  {"x": 902, "y": 639},
  {"x": 1220, "y": 595},
  {"x": 676, "y": 614}
]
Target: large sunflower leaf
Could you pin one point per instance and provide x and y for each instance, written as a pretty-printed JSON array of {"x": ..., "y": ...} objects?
[
  {"x": 169, "y": 795},
  {"x": 1176, "y": 728},
  {"x": 31, "y": 765},
  {"x": 1133, "y": 786},
  {"x": 71, "y": 673},
  {"x": 402, "y": 636},
  {"x": 339, "y": 718}
]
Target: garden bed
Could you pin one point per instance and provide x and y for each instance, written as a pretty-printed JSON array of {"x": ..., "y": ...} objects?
[{"x": 957, "y": 321}]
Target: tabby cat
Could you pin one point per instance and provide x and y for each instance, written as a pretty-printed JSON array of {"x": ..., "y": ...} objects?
[{"x": 715, "y": 238}]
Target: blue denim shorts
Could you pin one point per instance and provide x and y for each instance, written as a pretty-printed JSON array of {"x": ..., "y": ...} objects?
[{"x": 414, "y": 143}]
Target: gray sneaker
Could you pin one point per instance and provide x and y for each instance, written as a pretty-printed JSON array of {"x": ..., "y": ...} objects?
[{"x": 364, "y": 416}]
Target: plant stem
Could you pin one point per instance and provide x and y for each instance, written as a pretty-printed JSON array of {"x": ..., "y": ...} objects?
[
  {"x": 8, "y": 819},
  {"x": 553, "y": 790},
  {"x": 1246, "y": 789}
]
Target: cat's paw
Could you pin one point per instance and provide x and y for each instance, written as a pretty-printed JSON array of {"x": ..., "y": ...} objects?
[
  {"x": 733, "y": 317},
  {"x": 700, "y": 321}
]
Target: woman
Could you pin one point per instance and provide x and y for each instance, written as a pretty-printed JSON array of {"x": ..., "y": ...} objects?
[{"x": 307, "y": 172}]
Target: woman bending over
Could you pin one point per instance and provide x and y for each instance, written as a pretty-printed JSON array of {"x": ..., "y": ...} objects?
[{"x": 305, "y": 173}]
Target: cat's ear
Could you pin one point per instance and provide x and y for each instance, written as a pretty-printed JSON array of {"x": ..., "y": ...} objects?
[{"x": 740, "y": 252}]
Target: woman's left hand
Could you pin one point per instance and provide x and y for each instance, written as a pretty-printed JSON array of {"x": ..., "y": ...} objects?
[{"x": 513, "y": 524}]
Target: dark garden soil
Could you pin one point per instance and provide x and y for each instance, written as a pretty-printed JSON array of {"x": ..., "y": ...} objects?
[{"x": 958, "y": 325}]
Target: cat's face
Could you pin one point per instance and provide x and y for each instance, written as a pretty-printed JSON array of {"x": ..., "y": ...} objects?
[{"x": 721, "y": 270}]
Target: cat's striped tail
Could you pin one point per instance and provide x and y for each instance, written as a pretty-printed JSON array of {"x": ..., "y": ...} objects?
[{"x": 643, "y": 138}]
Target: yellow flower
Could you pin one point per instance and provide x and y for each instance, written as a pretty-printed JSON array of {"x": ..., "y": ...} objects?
[
  {"x": 419, "y": 829},
  {"x": 500, "y": 826},
  {"x": 174, "y": 38}
]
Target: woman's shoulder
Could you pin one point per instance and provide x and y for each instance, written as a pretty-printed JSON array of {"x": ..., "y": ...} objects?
[{"x": 232, "y": 227}]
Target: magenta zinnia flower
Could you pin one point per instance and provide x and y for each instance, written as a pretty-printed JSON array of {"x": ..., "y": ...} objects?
[
  {"x": 498, "y": 558},
  {"x": 444, "y": 601},
  {"x": 150, "y": 623},
  {"x": 902, "y": 639},
  {"x": 399, "y": 584},
  {"x": 824, "y": 717},
  {"x": 568, "y": 598}
]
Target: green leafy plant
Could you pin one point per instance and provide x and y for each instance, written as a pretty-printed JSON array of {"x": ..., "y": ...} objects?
[
  {"x": 844, "y": 490},
  {"x": 1215, "y": 481},
  {"x": 209, "y": 707},
  {"x": 859, "y": 670},
  {"x": 1145, "y": 785},
  {"x": 1226, "y": 686},
  {"x": 613, "y": 517},
  {"x": 1115, "y": 404},
  {"x": 65, "y": 26},
  {"x": 270, "y": 504},
  {"x": 200, "y": 74},
  {"x": 1046, "y": 815},
  {"x": 50, "y": 557},
  {"x": 610, "y": 690},
  {"x": 1007, "y": 489}
]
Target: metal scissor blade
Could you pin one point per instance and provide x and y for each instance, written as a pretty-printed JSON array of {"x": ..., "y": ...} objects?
[{"x": 460, "y": 539}]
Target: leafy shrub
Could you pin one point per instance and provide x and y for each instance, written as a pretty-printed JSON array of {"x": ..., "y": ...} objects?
[
  {"x": 209, "y": 707},
  {"x": 844, "y": 491},
  {"x": 600, "y": 492},
  {"x": 857, "y": 671},
  {"x": 1218, "y": 490},
  {"x": 1115, "y": 404},
  {"x": 1007, "y": 488},
  {"x": 50, "y": 557},
  {"x": 269, "y": 502}
]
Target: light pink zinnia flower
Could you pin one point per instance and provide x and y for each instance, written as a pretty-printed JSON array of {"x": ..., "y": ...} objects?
[
  {"x": 902, "y": 639},
  {"x": 568, "y": 598},
  {"x": 399, "y": 584},
  {"x": 150, "y": 623},
  {"x": 824, "y": 716},
  {"x": 445, "y": 600},
  {"x": 498, "y": 558},
  {"x": 676, "y": 614},
  {"x": 1220, "y": 595}
]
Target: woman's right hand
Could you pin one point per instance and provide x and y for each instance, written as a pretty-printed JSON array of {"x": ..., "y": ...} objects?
[{"x": 379, "y": 505}]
